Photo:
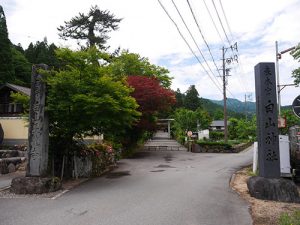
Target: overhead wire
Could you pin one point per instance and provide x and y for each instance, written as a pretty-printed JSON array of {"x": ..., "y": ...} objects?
[
  {"x": 196, "y": 21},
  {"x": 221, "y": 23},
  {"x": 226, "y": 20},
  {"x": 231, "y": 34},
  {"x": 213, "y": 21},
  {"x": 203, "y": 57},
  {"x": 182, "y": 36}
]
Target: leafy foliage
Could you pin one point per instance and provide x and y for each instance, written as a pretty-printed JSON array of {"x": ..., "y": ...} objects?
[
  {"x": 6, "y": 61},
  {"x": 42, "y": 52},
  {"x": 151, "y": 97},
  {"x": 296, "y": 72},
  {"x": 21, "y": 99},
  {"x": 179, "y": 99},
  {"x": 291, "y": 120},
  {"x": 84, "y": 101},
  {"x": 217, "y": 145},
  {"x": 92, "y": 27},
  {"x": 192, "y": 100},
  {"x": 22, "y": 68},
  {"x": 242, "y": 129},
  {"x": 186, "y": 120},
  {"x": 131, "y": 64}
]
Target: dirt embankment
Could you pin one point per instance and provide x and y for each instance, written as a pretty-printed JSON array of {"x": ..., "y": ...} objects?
[{"x": 263, "y": 212}]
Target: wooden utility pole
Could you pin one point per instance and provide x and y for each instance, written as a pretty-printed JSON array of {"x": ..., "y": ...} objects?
[
  {"x": 225, "y": 74},
  {"x": 224, "y": 97}
]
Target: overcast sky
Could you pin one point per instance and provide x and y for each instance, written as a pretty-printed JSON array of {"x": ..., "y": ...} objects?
[{"x": 147, "y": 30}]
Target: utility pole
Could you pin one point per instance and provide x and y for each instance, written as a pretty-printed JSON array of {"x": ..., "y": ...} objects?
[
  {"x": 224, "y": 97},
  {"x": 246, "y": 106},
  {"x": 278, "y": 56},
  {"x": 226, "y": 74}
]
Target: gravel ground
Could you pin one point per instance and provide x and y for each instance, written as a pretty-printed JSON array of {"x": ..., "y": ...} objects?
[{"x": 263, "y": 212}]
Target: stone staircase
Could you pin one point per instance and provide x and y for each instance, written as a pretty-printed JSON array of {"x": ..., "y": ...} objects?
[
  {"x": 10, "y": 160},
  {"x": 161, "y": 142}
]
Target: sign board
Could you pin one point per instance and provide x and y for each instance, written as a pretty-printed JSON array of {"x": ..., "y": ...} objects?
[
  {"x": 189, "y": 133},
  {"x": 281, "y": 122},
  {"x": 296, "y": 106}
]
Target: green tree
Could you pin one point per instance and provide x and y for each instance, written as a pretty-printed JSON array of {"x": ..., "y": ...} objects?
[
  {"x": 186, "y": 120},
  {"x": 291, "y": 120},
  {"x": 203, "y": 119},
  {"x": 42, "y": 52},
  {"x": 192, "y": 100},
  {"x": 22, "y": 68},
  {"x": 6, "y": 61},
  {"x": 179, "y": 98},
  {"x": 127, "y": 64},
  {"x": 82, "y": 100},
  {"x": 296, "y": 72},
  {"x": 218, "y": 114},
  {"x": 92, "y": 27},
  {"x": 233, "y": 128},
  {"x": 247, "y": 129}
]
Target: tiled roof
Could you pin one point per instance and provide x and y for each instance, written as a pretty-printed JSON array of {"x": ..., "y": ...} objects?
[
  {"x": 17, "y": 88},
  {"x": 217, "y": 123}
]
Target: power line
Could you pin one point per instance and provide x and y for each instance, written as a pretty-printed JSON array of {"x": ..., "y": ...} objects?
[
  {"x": 203, "y": 36},
  {"x": 213, "y": 21},
  {"x": 226, "y": 19},
  {"x": 194, "y": 39},
  {"x": 221, "y": 22},
  {"x": 175, "y": 24}
]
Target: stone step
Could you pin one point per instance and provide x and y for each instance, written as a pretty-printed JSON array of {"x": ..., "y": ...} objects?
[
  {"x": 14, "y": 160},
  {"x": 11, "y": 153},
  {"x": 9, "y": 165}
]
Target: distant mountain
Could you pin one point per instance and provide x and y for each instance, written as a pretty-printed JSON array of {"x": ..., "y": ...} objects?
[
  {"x": 237, "y": 106},
  {"x": 211, "y": 107}
]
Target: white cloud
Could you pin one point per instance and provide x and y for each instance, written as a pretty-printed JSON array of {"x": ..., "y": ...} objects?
[{"x": 146, "y": 29}]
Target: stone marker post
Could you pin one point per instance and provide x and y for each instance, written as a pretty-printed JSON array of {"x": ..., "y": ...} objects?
[
  {"x": 267, "y": 125},
  {"x": 38, "y": 137},
  {"x": 36, "y": 181},
  {"x": 268, "y": 185}
]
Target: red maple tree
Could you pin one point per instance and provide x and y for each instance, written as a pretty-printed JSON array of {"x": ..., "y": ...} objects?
[{"x": 151, "y": 97}]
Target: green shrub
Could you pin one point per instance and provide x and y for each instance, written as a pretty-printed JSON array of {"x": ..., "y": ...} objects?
[
  {"x": 216, "y": 135},
  {"x": 102, "y": 155},
  {"x": 216, "y": 145},
  {"x": 292, "y": 219}
]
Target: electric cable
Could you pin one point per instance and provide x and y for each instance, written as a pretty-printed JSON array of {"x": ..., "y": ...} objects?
[{"x": 175, "y": 24}]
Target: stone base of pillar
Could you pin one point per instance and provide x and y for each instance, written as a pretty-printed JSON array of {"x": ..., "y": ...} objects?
[
  {"x": 35, "y": 185},
  {"x": 282, "y": 190}
]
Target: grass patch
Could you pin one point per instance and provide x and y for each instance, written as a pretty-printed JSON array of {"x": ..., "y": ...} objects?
[
  {"x": 250, "y": 173},
  {"x": 290, "y": 219}
]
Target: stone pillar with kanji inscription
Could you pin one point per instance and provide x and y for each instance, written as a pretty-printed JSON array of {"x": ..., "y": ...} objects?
[
  {"x": 267, "y": 127},
  {"x": 38, "y": 137},
  {"x": 268, "y": 185},
  {"x": 36, "y": 180}
]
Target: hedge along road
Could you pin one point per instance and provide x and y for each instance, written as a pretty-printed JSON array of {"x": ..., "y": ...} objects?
[{"x": 152, "y": 188}]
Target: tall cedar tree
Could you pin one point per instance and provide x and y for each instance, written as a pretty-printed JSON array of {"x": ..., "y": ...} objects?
[
  {"x": 42, "y": 52},
  {"x": 192, "y": 100},
  {"x": 92, "y": 27},
  {"x": 6, "y": 60},
  {"x": 151, "y": 97}
]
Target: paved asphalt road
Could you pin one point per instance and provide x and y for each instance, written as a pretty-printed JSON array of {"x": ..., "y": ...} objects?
[{"x": 156, "y": 188}]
